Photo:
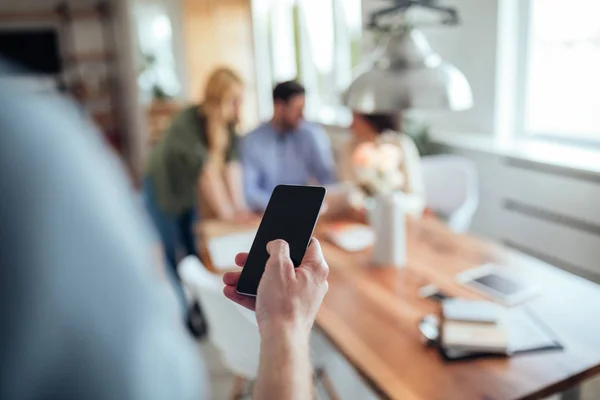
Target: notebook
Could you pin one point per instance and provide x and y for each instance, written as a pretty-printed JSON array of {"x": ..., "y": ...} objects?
[
  {"x": 222, "y": 249},
  {"x": 351, "y": 236},
  {"x": 471, "y": 311},
  {"x": 475, "y": 337},
  {"x": 525, "y": 333}
]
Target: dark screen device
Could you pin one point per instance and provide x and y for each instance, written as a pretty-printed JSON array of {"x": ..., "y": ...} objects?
[
  {"x": 499, "y": 283},
  {"x": 291, "y": 215},
  {"x": 34, "y": 49}
]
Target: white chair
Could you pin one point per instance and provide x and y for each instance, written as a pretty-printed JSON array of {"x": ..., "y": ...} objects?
[
  {"x": 451, "y": 189},
  {"x": 233, "y": 330}
]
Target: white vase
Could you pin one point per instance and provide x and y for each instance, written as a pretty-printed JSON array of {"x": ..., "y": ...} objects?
[{"x": 387, "y": 218}]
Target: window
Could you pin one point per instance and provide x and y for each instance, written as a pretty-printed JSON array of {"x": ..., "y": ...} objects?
[
  {"x": 314, "y": 41},
  {"x": 562, "y": 69},
  {"x": 157, "y": 76}
]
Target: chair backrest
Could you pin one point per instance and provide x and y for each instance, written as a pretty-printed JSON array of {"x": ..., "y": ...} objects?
[
  {"x": 231, "y": 328},
  {"x": 450, "y": 183}
]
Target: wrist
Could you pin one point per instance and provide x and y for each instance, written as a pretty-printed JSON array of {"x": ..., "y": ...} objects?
[{"x": 283, "y": 329}]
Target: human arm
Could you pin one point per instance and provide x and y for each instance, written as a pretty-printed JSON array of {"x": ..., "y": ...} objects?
[
  {"x": 212, "y": 188},
  {"x": 322, "y": 164},
  {"x": 284, "y": 369},
  {"x": 221, "y": 184},
  {"x": 286, "y": 306},
  {"x": 234, "y": 182},
  {"x": 257, "y": 198},
  {"x": 234, "y": 175}
]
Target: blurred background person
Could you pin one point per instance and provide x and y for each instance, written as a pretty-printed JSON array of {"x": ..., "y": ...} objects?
[
  {"x": 83, "y": 298},
  {"x": 377, "y": 143},
  {"x": 85, "y": 306},
  {"x": 194, "y": 170},
  {"x": 285, "y": 150}
]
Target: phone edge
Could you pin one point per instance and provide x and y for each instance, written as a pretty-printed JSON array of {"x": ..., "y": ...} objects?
[{"x": 309, "y": 240}]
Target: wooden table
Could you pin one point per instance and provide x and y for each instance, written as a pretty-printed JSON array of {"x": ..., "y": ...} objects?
[{"x": 371, "y": 315}]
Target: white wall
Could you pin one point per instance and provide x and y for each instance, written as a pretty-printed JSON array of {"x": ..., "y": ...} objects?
[
  {"x": 540, "y": 208},
  {"x": 471, "y": 47}
]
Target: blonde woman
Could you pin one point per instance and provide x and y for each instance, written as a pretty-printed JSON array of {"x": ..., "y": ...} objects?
[{"x": 195, "y": 165}]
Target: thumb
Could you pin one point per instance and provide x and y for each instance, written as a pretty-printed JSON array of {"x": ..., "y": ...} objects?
[
  {"x": 314, "y": 253},
  {"x": 279, "y": 255},
  {"x": 314, "y": 261}
]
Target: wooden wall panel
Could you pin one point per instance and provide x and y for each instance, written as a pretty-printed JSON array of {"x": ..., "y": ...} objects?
[{"x": 216, "y": 33}]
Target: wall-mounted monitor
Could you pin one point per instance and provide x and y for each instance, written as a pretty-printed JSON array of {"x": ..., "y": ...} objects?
[{"x": 36, "y": 50}]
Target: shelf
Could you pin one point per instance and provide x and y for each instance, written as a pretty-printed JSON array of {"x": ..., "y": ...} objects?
[
  {"x": 104, "y": 119},
  {"x": 47, "y": 15},
  {"x": 92, "y": 56},
  {"x": 96, "y": 97}
]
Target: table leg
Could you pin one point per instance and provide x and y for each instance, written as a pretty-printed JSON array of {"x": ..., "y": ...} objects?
[{"x": 573, "y": 393}]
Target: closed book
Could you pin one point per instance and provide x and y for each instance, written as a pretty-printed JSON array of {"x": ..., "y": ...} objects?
[
  {"x": 475, "y": 337},
  {"x": 525, "y": 332},
  {"x": 351, "y": 236},
  {"x": 472, "y": 311}
]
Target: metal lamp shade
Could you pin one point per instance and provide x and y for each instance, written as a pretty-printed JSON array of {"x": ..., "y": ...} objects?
[{"x": 407, "y": 74}]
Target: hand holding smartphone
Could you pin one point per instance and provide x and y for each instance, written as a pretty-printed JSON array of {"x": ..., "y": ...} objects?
[{"x": 291, "y": 215}]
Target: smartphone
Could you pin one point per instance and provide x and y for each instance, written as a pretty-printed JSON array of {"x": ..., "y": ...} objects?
[
  {"x": 499, "y": 284},
  {"x": 291, "y": 215}
]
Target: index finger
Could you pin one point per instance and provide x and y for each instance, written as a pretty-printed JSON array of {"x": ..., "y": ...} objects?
[{"x": 240, "y": 259}]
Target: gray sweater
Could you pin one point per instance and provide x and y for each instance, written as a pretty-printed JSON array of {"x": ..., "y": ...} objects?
[{"x": 86, "y": 312}]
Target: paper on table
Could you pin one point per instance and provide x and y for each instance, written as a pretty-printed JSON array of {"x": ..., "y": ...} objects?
[
  {"x": 222, "y": 249},
  {"x": 525, "y": 333},
  {"x": 352, "y": 237}
]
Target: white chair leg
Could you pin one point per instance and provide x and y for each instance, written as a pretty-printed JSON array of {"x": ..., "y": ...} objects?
[
  {"x": 239, "y": 387},
  {"x": 322, "y": 377}
]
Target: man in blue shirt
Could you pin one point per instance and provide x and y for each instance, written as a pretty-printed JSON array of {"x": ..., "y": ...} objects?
[{"x": 285, "y": 150}]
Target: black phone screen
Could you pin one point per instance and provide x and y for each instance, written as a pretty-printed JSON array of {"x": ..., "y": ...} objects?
[{"x": 291, "y": 215}]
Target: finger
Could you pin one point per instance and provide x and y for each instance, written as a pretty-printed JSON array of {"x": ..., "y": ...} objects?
[
  {"x": 240, "y": 259},
  {"x": 231, "y": 278},
  {"x": 314, "y": 261},
  {"x": 314, "y": 253},
  {"x": 324, "y": 208},
  {"x": 244, "y": 301},
  {"x": 279, "y": 255},
  {"x": 278, "y": 248}
]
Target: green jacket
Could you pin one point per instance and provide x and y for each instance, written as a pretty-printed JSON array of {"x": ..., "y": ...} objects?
[{"x": 175, "y": 162}]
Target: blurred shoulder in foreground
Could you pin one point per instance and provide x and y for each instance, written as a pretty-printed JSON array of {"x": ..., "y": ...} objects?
[{"x": 84, "y": 309}]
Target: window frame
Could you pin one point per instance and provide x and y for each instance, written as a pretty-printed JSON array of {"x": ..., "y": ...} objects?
[
  {"x": 524, "y": 9},
  {"x": 264, "y": 69}
]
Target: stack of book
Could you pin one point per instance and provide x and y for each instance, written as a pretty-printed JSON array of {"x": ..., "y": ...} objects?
[{"x": 475, "y": 328}]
